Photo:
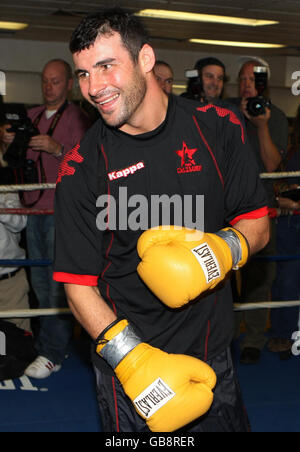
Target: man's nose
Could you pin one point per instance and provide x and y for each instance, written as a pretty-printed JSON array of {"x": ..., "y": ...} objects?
[{"x": 96, "y": 84}]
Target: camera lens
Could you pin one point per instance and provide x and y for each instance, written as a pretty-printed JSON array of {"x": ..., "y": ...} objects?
[{"x": 256, "y": 106}]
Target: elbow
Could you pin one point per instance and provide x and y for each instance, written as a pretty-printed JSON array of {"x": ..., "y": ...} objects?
[{"x": 266, "y": 235}]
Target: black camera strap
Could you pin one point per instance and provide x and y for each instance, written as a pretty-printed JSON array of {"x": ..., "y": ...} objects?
[
  {"x": 39, "y": 162},
  {"x": 55, "y": 120}
]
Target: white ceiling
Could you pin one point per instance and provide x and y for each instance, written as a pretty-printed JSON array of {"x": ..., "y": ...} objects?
[{"x": 54, "y": 20}]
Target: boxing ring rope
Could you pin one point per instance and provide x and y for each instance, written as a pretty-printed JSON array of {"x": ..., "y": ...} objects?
[
  {"x": 32, "y": 187},
  {"x": 28, "y": 313}
]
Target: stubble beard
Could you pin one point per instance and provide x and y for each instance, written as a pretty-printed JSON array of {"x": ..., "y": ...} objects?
[{"x": 131, "y": 99}]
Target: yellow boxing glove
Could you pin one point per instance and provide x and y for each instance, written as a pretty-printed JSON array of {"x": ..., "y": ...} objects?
[
  {"x": 178, "y": 265},
  {"x": 167, "y": 390}
]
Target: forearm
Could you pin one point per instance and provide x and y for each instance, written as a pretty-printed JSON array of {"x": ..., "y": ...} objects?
[
  {"x": 269, "y": 152},
  {"x": 89, "y": 308},
  {"x": 257, "y": 232}
]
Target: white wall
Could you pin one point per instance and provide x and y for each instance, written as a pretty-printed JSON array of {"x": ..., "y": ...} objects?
[{"x": 22, "y": 63}]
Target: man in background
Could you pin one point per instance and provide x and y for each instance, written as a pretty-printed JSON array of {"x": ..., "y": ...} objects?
[
  {"x": 164, "y": 75},
  {"x": 268, "y": 137},
  {"x": 61, "y": 125},
  {"x": 206, "y": 81},
  {"x": 14, "y": 286}
]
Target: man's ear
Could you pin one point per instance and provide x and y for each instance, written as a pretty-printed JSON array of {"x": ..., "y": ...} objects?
[
  {"x": 70, "y": 84},
  {"x": 147, "y": 58}
]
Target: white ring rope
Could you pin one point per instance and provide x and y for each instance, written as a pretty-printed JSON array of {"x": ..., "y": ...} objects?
[
  {"x": 25, "y": 187},
  {"x": 265, "y": 305},
  {"x": 27, "y": 313},
  {"x": 280, "y": 175},
  {"x": 63, "y": 311},
  {"x": 32, "y": 187}
]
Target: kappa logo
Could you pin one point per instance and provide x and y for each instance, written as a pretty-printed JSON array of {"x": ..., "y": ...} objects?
[
  {"x": 188, "y": 164},
  {"x": 65, "y": 169},
  {"x": 126, "y": 171}
]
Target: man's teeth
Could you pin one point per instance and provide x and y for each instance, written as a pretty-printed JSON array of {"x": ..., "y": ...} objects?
[{"x": 110, "y": 99}]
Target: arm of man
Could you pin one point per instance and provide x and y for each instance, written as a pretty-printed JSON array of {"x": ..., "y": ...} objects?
[
  {"x": 257, "y": 232},
  {"x": 140, "y": 367},
  {"x": 13, "y": 223},
  {"x": 269, "y": 152},
  {"x": 47, "y": 144},
  {"x": 89, "y": 308}
]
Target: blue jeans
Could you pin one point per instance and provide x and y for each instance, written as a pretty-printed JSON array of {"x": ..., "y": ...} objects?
[
  {"x": 55, "y": 332},
  {"x": 287, "y": 284}
]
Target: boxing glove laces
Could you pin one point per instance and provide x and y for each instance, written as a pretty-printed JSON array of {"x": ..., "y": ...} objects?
[
  {"x": 178, "y": 265},
  {"x": 168, "y": 391}
]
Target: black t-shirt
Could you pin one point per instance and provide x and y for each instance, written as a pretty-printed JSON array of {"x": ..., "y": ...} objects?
[{"x": 198, "y": 150}]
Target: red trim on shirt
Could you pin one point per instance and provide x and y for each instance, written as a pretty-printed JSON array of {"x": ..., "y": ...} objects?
[
  {"x": 253, "y": 215},
  {"x": 116, "y": 403},
  {"x": 111, "y": 240},
  {"x": 210, "y": 151},
  {"x": 206, "y": 340},
  {"x": 82, "y": 280}
]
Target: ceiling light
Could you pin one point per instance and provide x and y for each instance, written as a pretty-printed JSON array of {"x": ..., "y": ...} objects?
[
  {"x": 195, "y": 17},
  {"x": 257, "y": 45},
  {"x": 12, "y": 25}
]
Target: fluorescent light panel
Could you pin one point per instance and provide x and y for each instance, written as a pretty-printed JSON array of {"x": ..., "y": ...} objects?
[
  {"x": 12, "y": 25},
  {"x": 257, "y": 45},
  {"x": 195, "y": 17}
]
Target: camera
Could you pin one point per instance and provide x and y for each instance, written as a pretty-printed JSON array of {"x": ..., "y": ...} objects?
[
  {"x": 257, "y": 105},
  {"x": 195, "y": 86},
  {"x": 16, "y": 152}
]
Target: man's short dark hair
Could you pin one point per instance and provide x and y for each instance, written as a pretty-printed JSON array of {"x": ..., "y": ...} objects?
[
  {"x": 163, "y": 63},
  {"x": 107, "y": 22},
  {"x": 209, "y": 61}
]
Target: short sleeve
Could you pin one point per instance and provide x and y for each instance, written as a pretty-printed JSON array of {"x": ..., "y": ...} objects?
[
  {"x": 245, "y": 196},
  {"x": 77, "y": 240}
]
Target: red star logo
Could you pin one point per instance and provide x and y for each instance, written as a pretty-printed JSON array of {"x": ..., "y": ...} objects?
[{"x": 186, "y": 155}]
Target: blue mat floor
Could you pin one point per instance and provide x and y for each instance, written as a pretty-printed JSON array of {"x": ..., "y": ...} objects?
[
  {"x": 271, "y": 392},
  {"x": 66, "y": 402}
]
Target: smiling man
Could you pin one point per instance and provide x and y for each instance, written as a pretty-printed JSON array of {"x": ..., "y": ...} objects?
[
  {"x": 208, "y": 83},
  {"x": 155, "y": 366}
]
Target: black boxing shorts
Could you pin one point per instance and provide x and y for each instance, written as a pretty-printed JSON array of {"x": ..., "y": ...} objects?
[{"x": 227, "y": 413}]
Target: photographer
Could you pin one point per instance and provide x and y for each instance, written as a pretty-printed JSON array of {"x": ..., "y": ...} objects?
[
  {"x": 61, "y": 125},
  {"x": 14, "y": 286},
  {"x": 206, "y": 81},
  {"x": 267, "y": 131}
]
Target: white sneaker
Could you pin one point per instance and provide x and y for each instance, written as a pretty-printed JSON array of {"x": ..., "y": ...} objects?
[{"x": 41, "y": 368}]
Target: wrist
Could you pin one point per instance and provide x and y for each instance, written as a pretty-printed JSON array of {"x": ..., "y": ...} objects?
[
  {"x": 238, "y": 245},
  {"x": 116, "y": 341},
  {"x": 60, "y": 151}
]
